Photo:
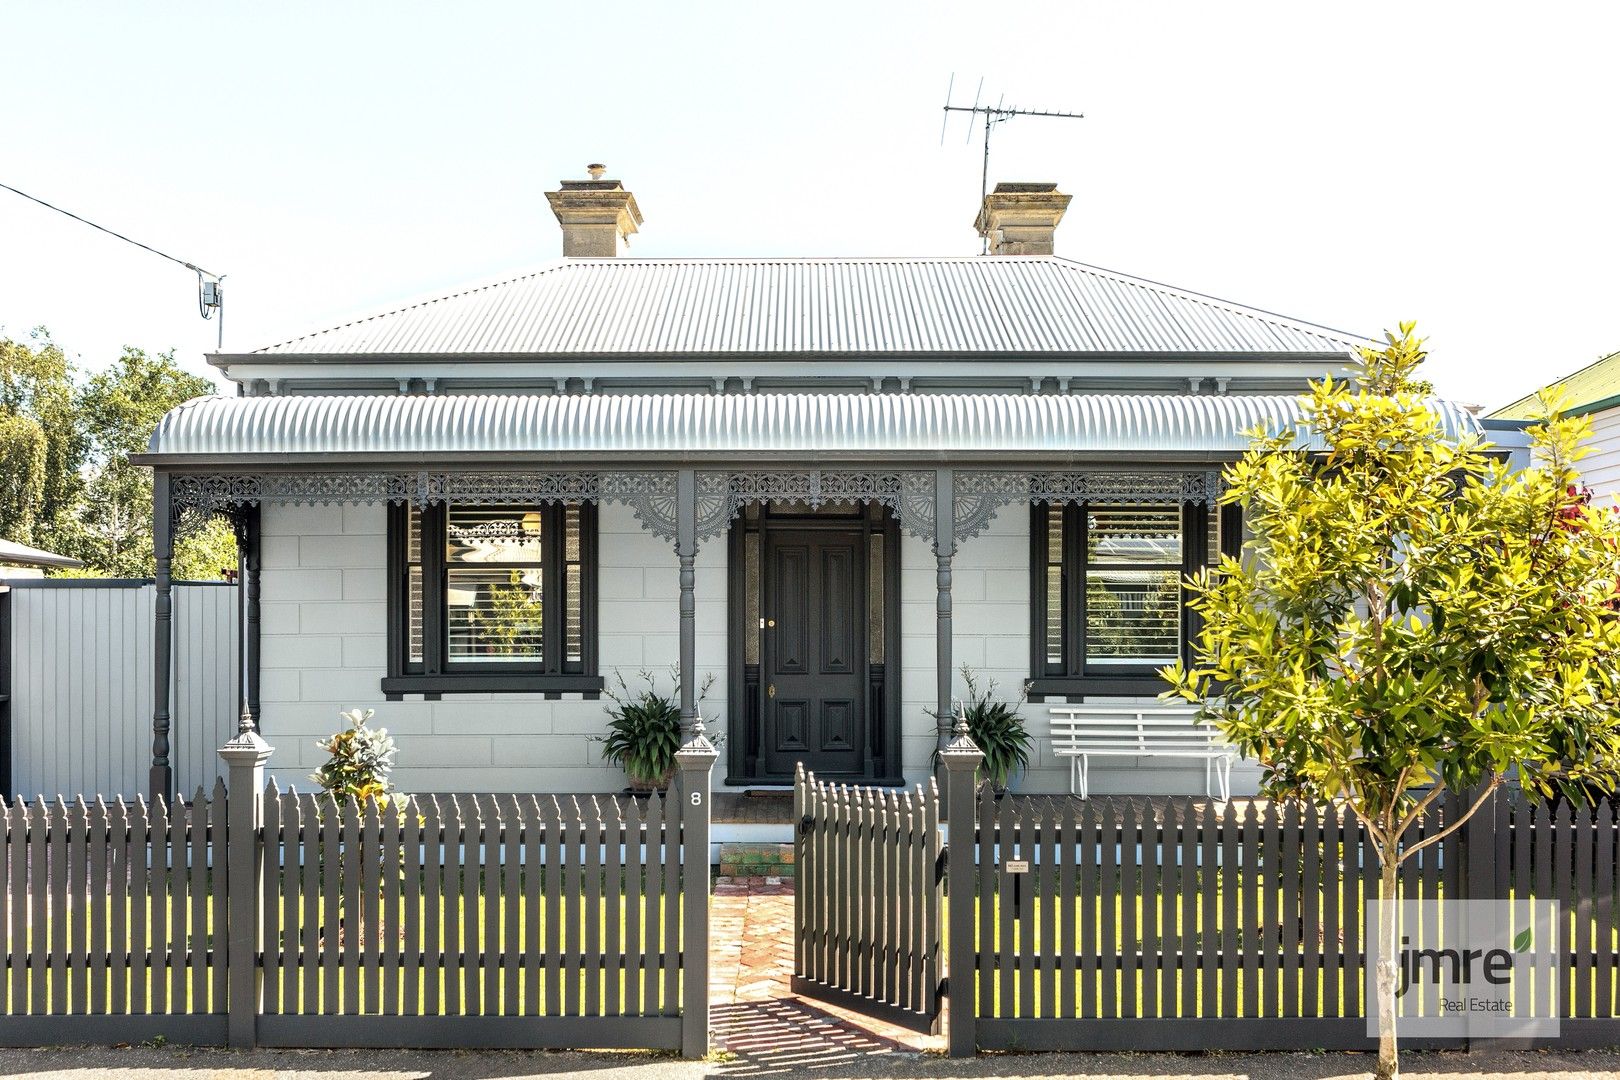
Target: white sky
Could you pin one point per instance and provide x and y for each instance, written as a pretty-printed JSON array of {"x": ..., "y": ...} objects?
[{"x": 1347, "y": 164}]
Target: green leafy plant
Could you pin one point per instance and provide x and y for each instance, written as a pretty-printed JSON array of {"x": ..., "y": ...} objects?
[
  {"x": 997, "y": 727},
  {"x": 644, "y": 728},
  {"x": 1411, "y": 617},
  {"x": 361, "y": 759}
]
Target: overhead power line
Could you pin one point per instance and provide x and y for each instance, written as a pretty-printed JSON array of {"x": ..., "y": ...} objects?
[{"x": 210, "y": 297}]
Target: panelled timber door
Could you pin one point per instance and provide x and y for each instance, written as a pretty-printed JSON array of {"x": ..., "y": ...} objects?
[{"x": 814, "y": 655}]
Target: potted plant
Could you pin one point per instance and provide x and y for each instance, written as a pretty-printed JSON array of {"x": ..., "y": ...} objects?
[
  {"x": 997, "y": 728},
  {"x": 644, "y": 730}
]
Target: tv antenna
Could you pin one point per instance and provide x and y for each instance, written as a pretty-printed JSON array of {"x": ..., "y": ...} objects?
[
  {"x": 995, "y": 114},
  {"x": 210, "y": 296}
]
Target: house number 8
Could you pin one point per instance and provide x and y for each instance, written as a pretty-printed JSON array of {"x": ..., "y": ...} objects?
[{"x": 697, "y": 798}]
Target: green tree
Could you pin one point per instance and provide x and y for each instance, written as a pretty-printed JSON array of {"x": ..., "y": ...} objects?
[
  {"x": 42, "y": 447},
  {"x": 1411, "y": 617},
  {"x": 119, "y": 408}
]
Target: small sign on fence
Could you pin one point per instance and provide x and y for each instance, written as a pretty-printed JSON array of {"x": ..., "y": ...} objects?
[
  {"x": 1015, "y": 866},
  {"x": 1477, "y": 969}
]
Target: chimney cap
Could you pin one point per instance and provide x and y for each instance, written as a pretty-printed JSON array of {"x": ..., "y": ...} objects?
[
  {"x": 596, "y": 169},
  {"x": 1021, "y": 218}
]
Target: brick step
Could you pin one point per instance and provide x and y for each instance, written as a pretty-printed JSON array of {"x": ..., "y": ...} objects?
[{"x": 756, "y": 860}]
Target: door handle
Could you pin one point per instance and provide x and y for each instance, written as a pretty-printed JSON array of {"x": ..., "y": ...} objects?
[{"x": 770, "y": 690}]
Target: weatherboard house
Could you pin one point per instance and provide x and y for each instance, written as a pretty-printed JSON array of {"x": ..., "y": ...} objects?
[{"x": 827, "y": 485}]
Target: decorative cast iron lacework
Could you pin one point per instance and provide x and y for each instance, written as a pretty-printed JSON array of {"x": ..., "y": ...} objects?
[
  {"x": 650, "y": 495},
  {"x": 908, "y": 495},
  {"x": 978, "y": 495}
]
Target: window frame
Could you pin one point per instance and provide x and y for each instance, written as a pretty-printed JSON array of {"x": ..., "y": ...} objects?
[
  {"x": 436, "y": 674},
  {"x": 1076, "y": 675}
]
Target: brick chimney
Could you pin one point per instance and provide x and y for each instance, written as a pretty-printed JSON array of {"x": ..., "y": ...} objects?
[
  {"x": 595, "y": 215},
  {"x": 1021, "y": 219}
]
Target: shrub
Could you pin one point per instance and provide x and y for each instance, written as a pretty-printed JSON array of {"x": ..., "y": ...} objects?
[
  {"x": 361, "y": 759},
  {"x": 998, "y": 729},
  {"x": 644, "y": 729}
]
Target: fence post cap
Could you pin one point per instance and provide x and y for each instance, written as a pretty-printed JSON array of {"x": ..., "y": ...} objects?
[
  {"x": 247, "y": 748},
  {"x": 961, "y": 752},
  {"x": 696, "y": 753}
]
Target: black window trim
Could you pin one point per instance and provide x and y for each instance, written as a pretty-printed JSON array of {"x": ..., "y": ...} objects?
[
  {"x": 434, "y": 675},
  {"x": 1077, "y": 678}
]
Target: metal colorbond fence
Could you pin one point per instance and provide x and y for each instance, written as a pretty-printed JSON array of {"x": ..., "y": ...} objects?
[
  {"x": 295, "y": 920},
  {"x": 79, "y": 718}
]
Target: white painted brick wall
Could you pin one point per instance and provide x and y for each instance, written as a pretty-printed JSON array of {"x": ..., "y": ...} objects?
[{"x": 324, "y": 635}]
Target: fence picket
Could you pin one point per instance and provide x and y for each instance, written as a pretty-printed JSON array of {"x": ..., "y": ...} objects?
[
  {"x": 374, "y": 930},
  {"x": 1192, "y": 906},
  {"x": 510, "y": 867},
  {"x": 1252, "y": 941},
  {"x": 1159, "y": 889},
  {"x": 60, "y": 946},
  {"x": 1353, "y": 889},
  {"x": 351, "y": 924},
  {"x": 410, "y": 916},
  {"x": 613, "y": 891},
  {"x": 1046, "y": 898},
  {"x": 1088, "y": 872},
  {"x": 279, "y": 825},
  {"x": 78, "y": 889},
  {"x": 123, "y": 949},
  {"x": 197, "y": 892},
  {"x": 218, "y": 928},
  {"x": 137, "y": 849},
  {"x": 1563, "y": 877},
  {"x": 432, "y": 907},
  {"x": 1329, "y": 953},
  {"x": 573, "y": 834},
  {"x": 306, "y": 899},
  {"x": 591, "y": 946},
  {"x": 392, "y": 922},
  {"x": 1584, "y": 840},
  {"x": 1070, "y": 940},
  {"x": 674, "y": 851},
  {"x": 1209, "y": 912},
  {"x": 17, "y": 951},
  {"x": 635, "y": 950},
  {"x": 1231, "y": 890},
  {"x": 1605, "y": 886},
  {"x": 1024, "y": 905},
  {"x": 1111, "y": 885},
  {"x": 552, "y": 807},
  {"x": 1290, "y": 903},
  {"x": 159, "y": 885}
]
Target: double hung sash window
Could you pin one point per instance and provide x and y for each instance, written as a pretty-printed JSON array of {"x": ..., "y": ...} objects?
[
  {"x": 1108, "y": 601},
  {"x": 492, "y": 598}
]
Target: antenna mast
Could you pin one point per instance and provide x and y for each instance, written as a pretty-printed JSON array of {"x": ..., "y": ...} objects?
[{"x": 993, "y": 114}]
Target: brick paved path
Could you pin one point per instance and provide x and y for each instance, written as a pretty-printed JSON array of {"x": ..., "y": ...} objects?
[{"x": 755, "y": 1015}]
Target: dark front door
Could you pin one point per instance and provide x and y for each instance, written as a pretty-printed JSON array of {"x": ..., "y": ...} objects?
[{"x": 814, "y": 655}]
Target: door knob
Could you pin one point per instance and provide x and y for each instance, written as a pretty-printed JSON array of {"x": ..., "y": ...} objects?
[{"x": 771, "y": 623}]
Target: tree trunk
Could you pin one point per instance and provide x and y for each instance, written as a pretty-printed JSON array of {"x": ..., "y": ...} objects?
[{"x": 1389, "y": 1065}]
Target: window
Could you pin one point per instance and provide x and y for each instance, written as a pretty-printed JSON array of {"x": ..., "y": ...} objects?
[
  {"x": 1107, "y": 601},
  {"x": 486, "y": 599}
]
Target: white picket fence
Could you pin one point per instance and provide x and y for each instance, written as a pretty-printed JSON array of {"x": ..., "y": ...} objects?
[{"x": 80, "y": 668}]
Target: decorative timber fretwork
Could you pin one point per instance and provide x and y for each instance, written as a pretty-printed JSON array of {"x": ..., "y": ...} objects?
[
  {"x": 908, "y": 495},
  {"x": 978, "y": 495}
]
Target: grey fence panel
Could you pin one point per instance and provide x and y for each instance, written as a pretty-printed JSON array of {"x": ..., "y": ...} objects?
[
  {"x": 416, "y": 917},
  {"x": 98, "y": 948},
  {"x": 1208, "y": 925},
  {"x": 81, "y": 693}
]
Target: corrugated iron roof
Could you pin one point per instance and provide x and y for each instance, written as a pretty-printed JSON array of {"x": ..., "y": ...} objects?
[
  {"x": 719, "y": 425},
  {"x": 1002, "y": 305},
  {"x": 1596, "y": 384}
]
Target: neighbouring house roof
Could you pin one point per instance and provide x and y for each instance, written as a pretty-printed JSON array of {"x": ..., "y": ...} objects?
[
  {"x": 596, "y": 427},
  {"x": 1005, "y": 306},
  {"x": 15, "y": 554},
  {"x": 1591, "y": 389}
]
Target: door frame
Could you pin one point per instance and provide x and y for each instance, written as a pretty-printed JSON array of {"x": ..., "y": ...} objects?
[{"x": 745, "y": 696}]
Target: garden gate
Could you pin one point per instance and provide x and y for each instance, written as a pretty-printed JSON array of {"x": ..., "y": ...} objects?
[{"x": 869, "y": 879}]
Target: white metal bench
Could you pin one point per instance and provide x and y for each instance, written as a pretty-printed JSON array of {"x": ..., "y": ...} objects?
[{"x": 1081, "y": 732}]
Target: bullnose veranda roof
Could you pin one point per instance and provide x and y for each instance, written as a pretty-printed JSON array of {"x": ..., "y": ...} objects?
[
  {"x": 441, "y": 427},
  {"x": 1009, "y": 306}
]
